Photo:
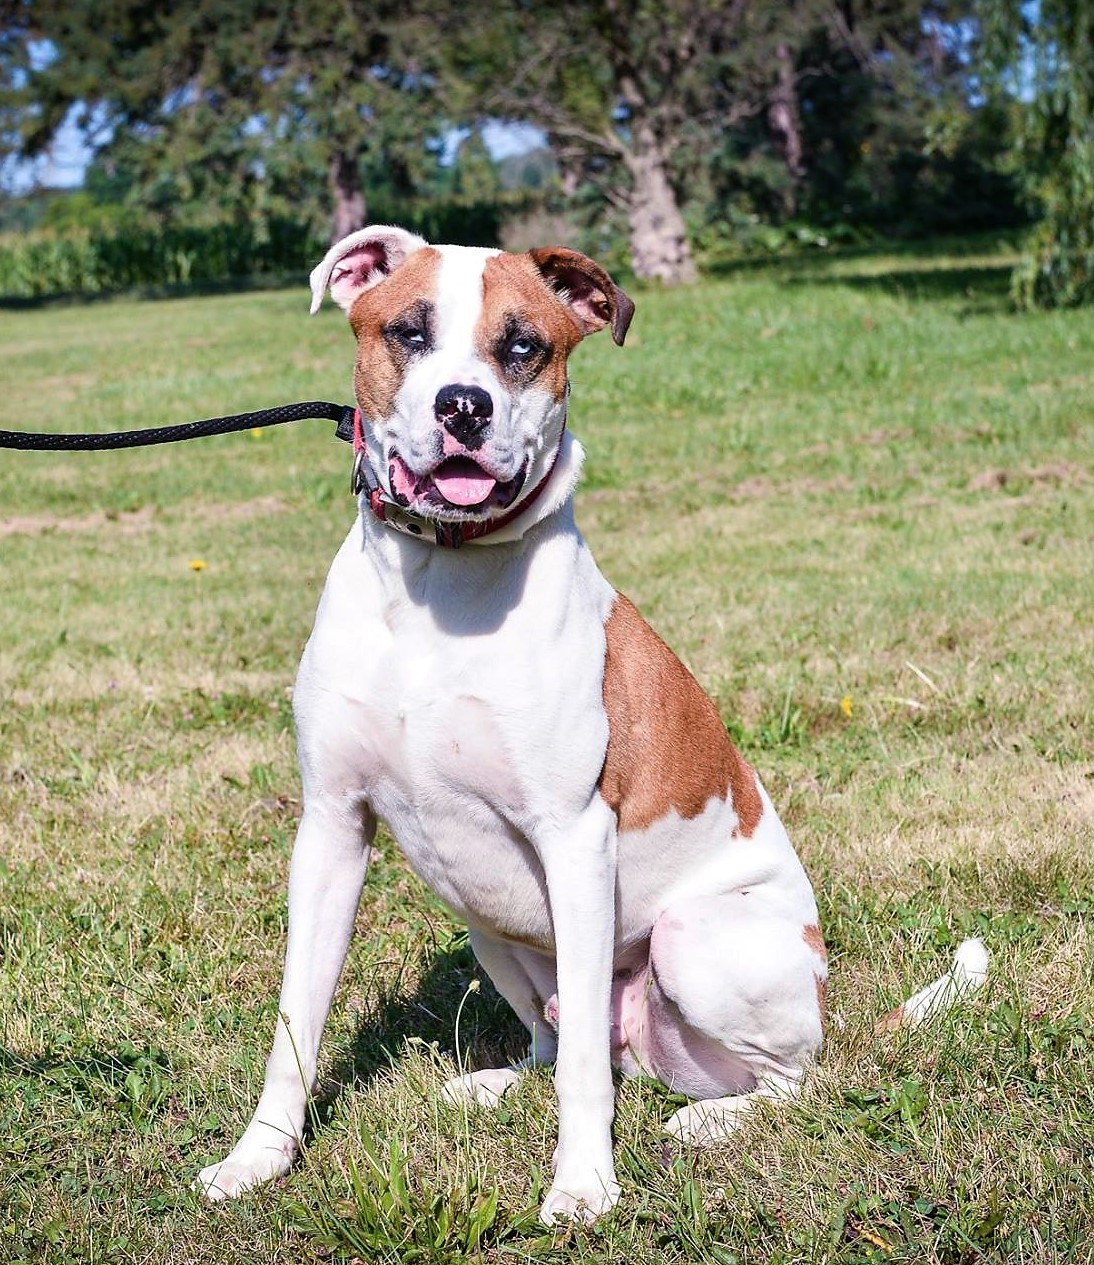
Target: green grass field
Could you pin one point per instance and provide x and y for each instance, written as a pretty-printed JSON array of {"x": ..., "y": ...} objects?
[{"x": 855, "y": 495}]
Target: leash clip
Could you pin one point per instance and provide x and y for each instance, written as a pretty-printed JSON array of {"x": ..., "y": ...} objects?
[
  {"x": 358, "y": 479},
  {"x": 363, "y": 479}
]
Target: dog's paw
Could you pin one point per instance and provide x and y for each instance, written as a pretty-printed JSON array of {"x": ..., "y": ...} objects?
[
  {"x": 579, "y": 1201},
  {"x": 704, "y": 1123},
  {"x": 243, "y": 1170},
  {"x": 485, "y": 1087}
]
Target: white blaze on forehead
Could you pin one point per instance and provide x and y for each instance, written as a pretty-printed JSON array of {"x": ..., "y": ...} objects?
[{"x": 459, "y": 301}]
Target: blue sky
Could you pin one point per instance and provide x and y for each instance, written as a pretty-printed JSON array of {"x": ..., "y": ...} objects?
[{"x": 64, "y": 166}]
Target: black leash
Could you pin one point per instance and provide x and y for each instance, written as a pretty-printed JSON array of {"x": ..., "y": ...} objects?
[{"x": 320, "y": 409}]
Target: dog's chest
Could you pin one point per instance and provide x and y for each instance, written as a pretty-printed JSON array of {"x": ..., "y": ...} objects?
[{"x": 463, "y": 727}]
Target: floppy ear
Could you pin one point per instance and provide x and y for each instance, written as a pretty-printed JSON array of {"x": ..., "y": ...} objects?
[
  {"x": 591, "y": 295},
  {"x": 360, "y": 261}
]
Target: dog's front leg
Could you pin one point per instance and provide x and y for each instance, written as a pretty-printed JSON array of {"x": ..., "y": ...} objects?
[
  {"x": 579, "y": 865},
  {"x": 328, "y": 867}
]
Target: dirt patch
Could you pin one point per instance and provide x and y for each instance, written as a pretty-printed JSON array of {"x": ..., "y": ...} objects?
[
  {"x": 125, "y": 523},
  {"x": 760, "y": 486},
  {"x": 1054, "y": 474},
  {"x": 883, "y": 435},
  {"x": 133, "y": 522},
  {"x": 748, "y": 489}
]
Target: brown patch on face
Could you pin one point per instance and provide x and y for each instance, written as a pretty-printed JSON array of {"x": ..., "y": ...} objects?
[
  {"x": 382, "y": 364},
  {"x": 813, "y": 938},
  {"x": 516, "y": 298},
  {"x": 667, "y": 746}
]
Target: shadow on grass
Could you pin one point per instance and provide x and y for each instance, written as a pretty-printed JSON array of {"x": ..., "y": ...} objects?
[
  {"x": 986, "y": 287},
  {"x": 984, "y": 284},
  {"x": 490, "y": 1034},
  {"x": 88, "y": 1069},
  {"x": 189, "y": 290}
]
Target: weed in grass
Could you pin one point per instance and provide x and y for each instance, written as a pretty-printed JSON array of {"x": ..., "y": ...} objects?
[{"x": 391, "y": 1213}]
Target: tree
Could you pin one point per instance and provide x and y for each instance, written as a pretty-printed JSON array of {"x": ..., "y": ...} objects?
[
  {"x": 209, "y": 99},
  {"x": 888, "y": 96},
  {"x": 1050, "y": 49},
  {"x": 619, "y": 87},
  {"x": 874, "y": 123}
]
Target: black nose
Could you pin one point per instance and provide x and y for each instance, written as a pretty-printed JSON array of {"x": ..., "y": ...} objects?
[{"x": 464, "y": 412}]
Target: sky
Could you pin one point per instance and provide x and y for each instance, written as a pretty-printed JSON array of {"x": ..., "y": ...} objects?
[{"x": 65, "y": 164}]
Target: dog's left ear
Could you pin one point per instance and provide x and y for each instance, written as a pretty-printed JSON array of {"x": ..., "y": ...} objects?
[
  {"x": 360, "y": 261},
  {"x": 591, "y": 295}
]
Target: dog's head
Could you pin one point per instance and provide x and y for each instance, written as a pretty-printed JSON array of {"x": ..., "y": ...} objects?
[{"x": 461, "y": 362}]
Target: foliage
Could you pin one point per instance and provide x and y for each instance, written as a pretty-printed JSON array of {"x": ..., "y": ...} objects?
[
  {"x": 672, "y": 127},
  {"x": 882, "y": 127},
  {"x": 896, "y": 137},
  {"x": 1050, "y": 53},
  {"x": 239, "y": 108},
  {"x": 116, "y": 254},
  {"x": 95, "y": 262},
  {"x": 1057, "y": 269}
]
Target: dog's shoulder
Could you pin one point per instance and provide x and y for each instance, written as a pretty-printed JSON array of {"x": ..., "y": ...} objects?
[{"x": 667, "y": 746}]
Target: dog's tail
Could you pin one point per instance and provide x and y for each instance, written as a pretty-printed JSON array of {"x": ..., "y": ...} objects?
[{"x": 968, "y": 973}]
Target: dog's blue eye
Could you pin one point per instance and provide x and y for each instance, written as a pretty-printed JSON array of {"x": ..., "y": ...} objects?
[{"x": 523, "y": 348}]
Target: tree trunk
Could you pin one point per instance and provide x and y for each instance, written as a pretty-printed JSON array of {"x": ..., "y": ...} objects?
[
  {"x": 785, "y": 121},
  {"x": 659, "y": 241},
  {"x": 347, "y": 196}
]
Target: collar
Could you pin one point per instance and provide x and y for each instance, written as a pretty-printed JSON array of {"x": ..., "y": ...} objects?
[{"x": 453, "y": 535}]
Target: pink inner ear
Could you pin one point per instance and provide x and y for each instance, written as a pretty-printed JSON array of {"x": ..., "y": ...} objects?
[
  {"x": 585, "y": 297},
  {"x": 357, "y": 267}
]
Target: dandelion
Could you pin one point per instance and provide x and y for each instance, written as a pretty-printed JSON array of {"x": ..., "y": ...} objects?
[
  {"x": 875, "y": 1239},
  {"x": 197, "y": 564},
  {"x": 256, "y": 432},
  {"x": 846, "y": 706}
]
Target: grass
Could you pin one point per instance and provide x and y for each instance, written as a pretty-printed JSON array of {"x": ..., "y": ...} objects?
[{"x": 856, "y": 495}]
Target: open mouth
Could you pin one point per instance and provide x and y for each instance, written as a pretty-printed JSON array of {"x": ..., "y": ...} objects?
[{"x": 458, "y": 483}]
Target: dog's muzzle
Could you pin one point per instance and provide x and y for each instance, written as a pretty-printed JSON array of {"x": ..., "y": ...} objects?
[{"x": 455, "y": 478}]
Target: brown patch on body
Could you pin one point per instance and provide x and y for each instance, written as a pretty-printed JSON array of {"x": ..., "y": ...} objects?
[
  {"x": 891, "y": 1022},
  {"x": 821, "y": 982},
  {"x": 811, "y": 934},
  {"x": 667, "y": 746},
  {"x": 381, "y": 365},
  {"x": 515, "y": 296}
]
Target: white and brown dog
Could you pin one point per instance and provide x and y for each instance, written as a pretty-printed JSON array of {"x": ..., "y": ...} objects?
[{"x": 546, "y": 763}]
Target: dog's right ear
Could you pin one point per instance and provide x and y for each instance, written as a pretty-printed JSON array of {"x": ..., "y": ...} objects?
[{"x": 360, "y": 261}]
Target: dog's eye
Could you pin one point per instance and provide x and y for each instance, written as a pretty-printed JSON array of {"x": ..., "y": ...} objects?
[
  {"x": 407, "y": 333},
  {"x": 411, "y": 335},
  {"x": 521, "y": 349}
]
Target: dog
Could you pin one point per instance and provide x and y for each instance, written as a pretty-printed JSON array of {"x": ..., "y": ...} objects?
[{"x": 546, "y": 763}]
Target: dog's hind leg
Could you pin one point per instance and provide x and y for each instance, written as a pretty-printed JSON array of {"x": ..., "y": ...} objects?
[
  {"x": 329, "y": 861},
  {"x": 728, "y": 1009},
  {"x": 523, "y": 979}
]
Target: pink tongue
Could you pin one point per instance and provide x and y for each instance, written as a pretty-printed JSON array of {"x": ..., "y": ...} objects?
[{"x": 461, "y": 482}]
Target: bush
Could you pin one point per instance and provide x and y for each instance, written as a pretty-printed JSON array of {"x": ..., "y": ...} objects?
[
  {"x": 78, "y": 261},
  {"x": 89, "y": 262},
  {"x": 1057, "y": 267}
]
